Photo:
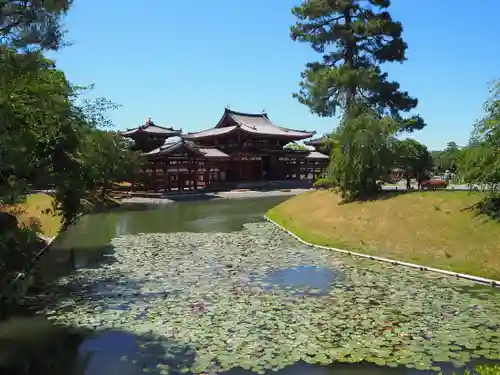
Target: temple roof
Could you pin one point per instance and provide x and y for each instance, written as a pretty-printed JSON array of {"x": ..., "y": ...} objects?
[
  {"x": 176, "y": 144},
  {"x": 317, "y": 155},
  {"x": 151, "y": 128},
  {"x": 257, "y": 124},
  {"x": 317, "y": 141}
]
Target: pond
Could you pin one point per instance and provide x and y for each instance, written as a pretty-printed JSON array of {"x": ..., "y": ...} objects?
[{"x": 210, "y": 287}]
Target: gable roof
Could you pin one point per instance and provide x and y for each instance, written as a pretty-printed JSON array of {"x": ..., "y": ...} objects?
[
  {"x": 317, "y": 141},
  {"x": 257, "y": 124},
  {"x": 151, "y": 128},
  {"x": 177, "y": 144},
  {"x": 315, "y": 155}
]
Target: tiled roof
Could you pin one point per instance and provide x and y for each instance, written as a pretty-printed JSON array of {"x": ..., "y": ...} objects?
[
  {"x": 209, "y": 132},
  {"x": 213, "y": 153},
  {"x": 175, "y": 143},
  {"x": 250, "y": 123},
  {"x": 151, "y": 128},
  {"x": 317, "y": 141},
  {"x": 317, "y": 155}
]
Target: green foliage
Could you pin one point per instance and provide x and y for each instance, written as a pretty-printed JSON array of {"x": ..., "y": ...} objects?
[
  {"x": 484, "y": 370},
  {"x": 17, "y": 247},
  {"x": 322, "y": 183},
  {"x": 355, "y": 38},
  {"x": 32, "y": 24},
  {"x": 488, "y": 370},
  {"x": 295, "y": 146},
  {"x": 34, "y": 105},
  {"x": 362, "y": 155},
  {"x": 447, "y": 159},
  {"x": 480, "y": 162},
  {"x": 363, "y": 36},
  {"x": 108, "y": 159},
  {"x": 46, "y": 134},
  {"x": 412, "y": 156}
]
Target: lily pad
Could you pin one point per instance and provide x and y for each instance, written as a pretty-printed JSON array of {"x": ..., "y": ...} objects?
[{"x": 207, "y": 298}]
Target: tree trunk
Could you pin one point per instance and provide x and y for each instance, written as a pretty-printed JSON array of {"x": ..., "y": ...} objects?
[{"x": 349, "y": 61}]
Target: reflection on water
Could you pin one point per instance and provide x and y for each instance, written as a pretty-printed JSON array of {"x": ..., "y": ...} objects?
[
  {"x": 39, "y": 348},
  {"x": 32, "y": 345},
  {"x": 87, "y": 243},
  {"x": 303, "y": 280}
]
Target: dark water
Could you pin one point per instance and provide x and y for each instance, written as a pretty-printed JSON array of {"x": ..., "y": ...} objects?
[{"x": 32, "y": 345}]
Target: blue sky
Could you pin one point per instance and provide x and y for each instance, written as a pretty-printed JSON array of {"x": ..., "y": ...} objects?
[{"x": 182, "y": 62}]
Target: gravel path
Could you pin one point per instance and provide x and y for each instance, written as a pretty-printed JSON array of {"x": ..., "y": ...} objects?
[{"x": 234, "y": 194}]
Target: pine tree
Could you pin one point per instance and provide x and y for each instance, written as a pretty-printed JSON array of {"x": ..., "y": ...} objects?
[
  {"x": 363, "y": 36},
  {"x": 29, "y": 24}
]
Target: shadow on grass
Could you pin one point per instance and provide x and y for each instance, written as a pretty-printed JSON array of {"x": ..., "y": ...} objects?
[
  {"x": 488, "y": 207},
  {"x": 390, "y": 194}
]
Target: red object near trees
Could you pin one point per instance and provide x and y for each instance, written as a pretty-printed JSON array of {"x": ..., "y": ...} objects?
[{"x": 434, "y": 184}]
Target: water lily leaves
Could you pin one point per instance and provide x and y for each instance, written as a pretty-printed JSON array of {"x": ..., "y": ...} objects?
[
  {"x": 392, "y": 364},
  {"x": 423, "y": 365},
  {"x": 470, "y": 345},
  {"x": 442, "y": 357},
  {"x": 322, "y": 359},
  {"x": 457, "y": 363},
  {"x": 379, "y": 361},
  {"x": 222, "y": 303}
]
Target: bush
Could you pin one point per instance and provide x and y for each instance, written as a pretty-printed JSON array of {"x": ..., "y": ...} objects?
[
  {"x": 323, "y": 183},
  {"x": 484, "y": 370}
]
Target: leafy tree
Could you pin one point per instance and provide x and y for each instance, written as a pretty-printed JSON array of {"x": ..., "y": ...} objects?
[
  {"x": 90, "y": 158},
  {"x": 108, "y": 160},
  {"x": 44, "y": 130},
  {"x": 362, "y": 154},
  {"x": 354, "y": 37},
  {"x": 480, "y": 162},
  {"x": 28, "y": 24},
  {"x": 413, "y": 157},
  {"x": 33, "y": 98},
  {"x": 448, "y": 158},
  {"x": 451, "y": 147}
]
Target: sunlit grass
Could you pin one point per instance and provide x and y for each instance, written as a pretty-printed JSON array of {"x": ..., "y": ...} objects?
[
  {"x": 33, "y": 212},
  {"x": 427, "y": 228}
]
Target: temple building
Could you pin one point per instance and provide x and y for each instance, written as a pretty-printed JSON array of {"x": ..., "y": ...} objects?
[{"x": 241, "y": 148}]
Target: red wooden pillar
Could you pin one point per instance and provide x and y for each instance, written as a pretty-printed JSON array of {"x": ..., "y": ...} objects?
[
  {"x": 155, "y": 187},
  {"x": 195, "y": 175},
  {"x": 165, "y": 175},
  {"x": 178, "y": 179}
]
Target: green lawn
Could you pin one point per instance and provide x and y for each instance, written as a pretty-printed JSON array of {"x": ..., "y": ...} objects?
[{"x": 427, "y": 228}]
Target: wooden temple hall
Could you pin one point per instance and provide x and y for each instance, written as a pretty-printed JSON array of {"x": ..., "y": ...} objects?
[{"x": 242, "y": 148}]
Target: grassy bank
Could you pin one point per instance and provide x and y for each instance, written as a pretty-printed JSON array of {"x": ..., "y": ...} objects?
[
  {"x": 32, "y": 212},
  {"x": 428, "y": 228}
]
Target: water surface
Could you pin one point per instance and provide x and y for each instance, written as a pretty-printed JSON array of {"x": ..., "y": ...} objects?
[{"x": 33, "y": 343}]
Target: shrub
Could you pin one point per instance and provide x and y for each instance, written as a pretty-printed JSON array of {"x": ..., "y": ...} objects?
[
  {"x": 484, "y": 370},
  {"x": 323, "y": 183}
]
